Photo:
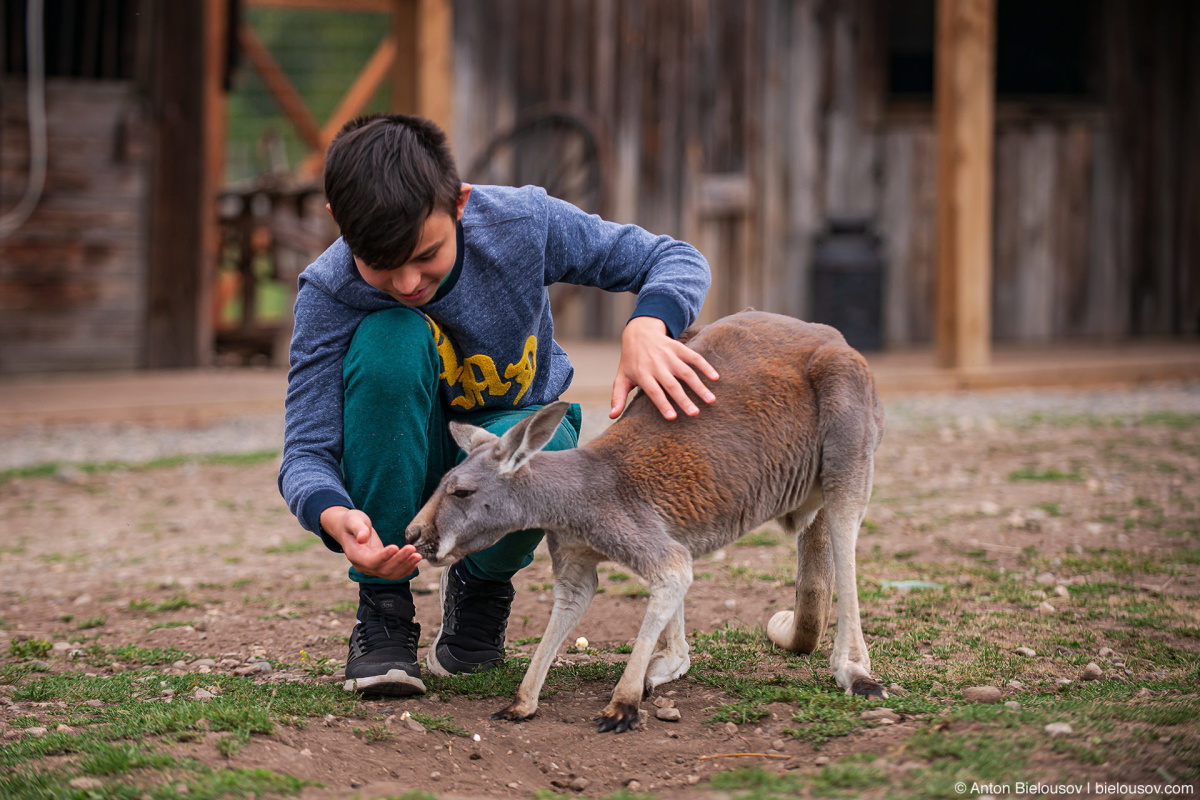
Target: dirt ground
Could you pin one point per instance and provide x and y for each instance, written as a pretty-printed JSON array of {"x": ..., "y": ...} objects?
[{"x": 204, "y": 557}]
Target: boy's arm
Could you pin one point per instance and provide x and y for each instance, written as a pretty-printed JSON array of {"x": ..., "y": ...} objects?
[
  {"x": 310, "y": 477},
  {"x": 670, "y": 278}
]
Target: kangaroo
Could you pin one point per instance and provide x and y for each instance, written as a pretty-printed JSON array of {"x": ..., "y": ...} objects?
[{"x": 791, "y": 437}]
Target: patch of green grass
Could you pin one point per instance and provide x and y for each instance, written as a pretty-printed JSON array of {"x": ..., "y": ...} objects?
[
  {"x": 442, "y": 722},
  {"x": 1032, "y": 473},
  {"x": 173, "y": 604},
  {"x": 295, "y": 546},
  {"x": 50, "y": 469},
  {"x": 91, "y": 622},
  {"x": 616, "y": 576},
  {"x": 176, "y": 624},
  {"x": 1171, "y": 419},
  {"x": 758, "y": 539},
  {"x": 374, "y": 733},
  {"x": 133, "y": 654},
  {"x": 30, "y": 648},
  {"x": 524, "y": 640}
]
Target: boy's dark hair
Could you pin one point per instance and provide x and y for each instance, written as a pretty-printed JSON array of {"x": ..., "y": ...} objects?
[{"x": 384, "y": 175}]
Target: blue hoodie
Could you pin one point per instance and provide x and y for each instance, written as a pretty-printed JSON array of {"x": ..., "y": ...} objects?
[{"x": 490, "y": 320}]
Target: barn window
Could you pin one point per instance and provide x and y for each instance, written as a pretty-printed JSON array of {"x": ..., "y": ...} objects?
[
  {"x": 88, "y": 39},
  {"x": 1043, "y": 50}
]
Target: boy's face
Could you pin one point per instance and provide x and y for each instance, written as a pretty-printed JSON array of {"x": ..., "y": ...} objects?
[{"x": 415, "y": 282}]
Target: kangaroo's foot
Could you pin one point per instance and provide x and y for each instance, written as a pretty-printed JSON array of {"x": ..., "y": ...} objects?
[
  {"x": 515, "y": 712},
  {"x": 618, "y": 717},
  {"x": 665, "y": 666}
]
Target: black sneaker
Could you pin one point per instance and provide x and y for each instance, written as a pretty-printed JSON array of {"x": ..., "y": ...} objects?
[
  {"x": 383, "y": 645},
  {"x": 474, "y": 616}
]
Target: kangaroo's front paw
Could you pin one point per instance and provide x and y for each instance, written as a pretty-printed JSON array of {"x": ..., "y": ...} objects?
[
  {"x": 618, "y": 717},
  {"x": 514, "y": 713},
  {"x": 868, "y": 688}
]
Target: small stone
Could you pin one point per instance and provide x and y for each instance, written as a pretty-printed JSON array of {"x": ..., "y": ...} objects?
[
  {"x": 989, "y": 508},
  {"x": 579, "y": 784},
  {"x": 731, "y": 604},
  {"x": 514, "y": 785},
  {"x": 179, "y": 665},
  {"x": 435, "y": 776},
  {"x": 896, "y": 689},
  {"x": 356, "y": 784},
  {"x": 306, "y": 753},
  {"x": 95, "y": 703},
  {"x": 937, "y": 687},
  {"x": 664, "y": 702},
  {"x": 1045, "y": 608},
  {"x": 62, "y": 728},
  {"x": 982, "y": 694},
  {"x": 1059, "y": 729},
  {"x": 1061, "y": 591},
  {"x": 1105, "y": 652},
  {"x": 60, "y": 648},
  {"x": 168, "y": 692},
  {"x": 777, "y": 744},
  {"x": 668, "y": 714},
  {"x": 1164, "y": 740},
  {"x": 83, "y": 600},
  {"x": 1038, "y": 595},
  {"x": 880, "y": 715},
  {"x": 1064, "y": 682},
  {"x": 634, "y": 786},
  {"x": 1012, "y": 704},
  {"x": 204, "y": 662},
  {"x": 821, "y": 761},
  {"x": 1028, "y": 652},
  {"x": 731, "y": 728},
  {"x": 1045, "y": 579},
  {"x": 1092, "y": 672},
  {"x": 36, "y": 731},
  {"x": 37, "y": 665},
  {"x": 86, "y": 783},
  {"x": 964, "y": 580},
  {"x": 181, "y": 788},
  {"x": 329, "y": 720},
  {"x": 692, "y": 780},
  {"x": 413, "y": 725},
  {"x": 203, "y": 694}
]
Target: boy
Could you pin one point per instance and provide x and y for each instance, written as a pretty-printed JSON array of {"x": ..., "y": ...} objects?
[{"x": 434, "y": 303}]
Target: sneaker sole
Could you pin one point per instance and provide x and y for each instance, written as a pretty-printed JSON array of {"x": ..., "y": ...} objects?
[
  {"x": 395, "y": 682},
  {"x": 431, "y": 661}
]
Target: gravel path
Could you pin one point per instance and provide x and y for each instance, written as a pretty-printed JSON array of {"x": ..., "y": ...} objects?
[{"x": 140, "y": 443}]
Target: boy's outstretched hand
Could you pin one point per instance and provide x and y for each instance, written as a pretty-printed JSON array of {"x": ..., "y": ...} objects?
[
  {"x": 352, "y": 529},
  {"x": 662, "y": 367}
]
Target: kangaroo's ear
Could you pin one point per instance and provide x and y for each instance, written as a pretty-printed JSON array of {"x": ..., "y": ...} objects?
[
  {"x": 528, "y": 436},
  {"x": 469, "y": 437}
]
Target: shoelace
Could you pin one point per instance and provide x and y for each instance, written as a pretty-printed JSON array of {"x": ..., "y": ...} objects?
[
  {"x": 372, "y": 626},
  {"x": 482, "y": 611}
]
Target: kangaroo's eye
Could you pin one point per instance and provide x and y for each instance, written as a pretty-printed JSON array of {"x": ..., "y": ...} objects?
[{"x": 460, "y": 493}]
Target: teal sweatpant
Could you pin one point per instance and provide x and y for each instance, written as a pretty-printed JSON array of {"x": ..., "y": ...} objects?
[{"x": 396, "y": 442}]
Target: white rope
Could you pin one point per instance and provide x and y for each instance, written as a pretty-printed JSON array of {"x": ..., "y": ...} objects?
[{"x": 35, "y": 85}]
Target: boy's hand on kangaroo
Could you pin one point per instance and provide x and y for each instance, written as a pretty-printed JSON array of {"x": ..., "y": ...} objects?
[
  {"x": 661, "y": 367},
  {"x": 360, "y": 542}
]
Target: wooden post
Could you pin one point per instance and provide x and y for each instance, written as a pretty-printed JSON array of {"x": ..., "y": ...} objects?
[
  {"x": 423, "y": 70},
  {"x": 964, "y": 110},
  {"x": 216, "y": 40}
]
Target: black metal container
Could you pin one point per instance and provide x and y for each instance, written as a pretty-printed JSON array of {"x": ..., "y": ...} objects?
[{"x": 848, "y": 281}]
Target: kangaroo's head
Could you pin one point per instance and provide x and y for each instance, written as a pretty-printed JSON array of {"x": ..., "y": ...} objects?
[{"x": 481, "y": 499}]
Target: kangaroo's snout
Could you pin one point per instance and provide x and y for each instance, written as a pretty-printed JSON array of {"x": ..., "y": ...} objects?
[{"x": 422, "y": 534}]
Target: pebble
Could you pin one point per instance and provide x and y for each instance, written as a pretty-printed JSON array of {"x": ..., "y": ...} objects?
[
  {"x": 514, "y": 785},
  {"x": 203, "y": 694},
  {"x": 83, "y": 600},
  {"x": 880, "y": 715},
  {"x": 1028, "y": 652},
  {"x": 692, "y": 780},
  {"x": 1105, "y": 652},
  {"x": 413, "y": 725},
  {"x": 1059, "y": 729},
  {"x": 579, "y": 784},
  {"x": 204, "y": 662},
  {"x": 731, "y": 604},
  {"x": 37, "y": 665},
  {"x": 731, "y": 728},
  {"x": 63, "y": 728},
  {"x": 634, "y": 786},
  {"x": 1092, "y": 672},
  {"x": 1015, "y": 685},
  {"x": 778, "y": 744},
  {"x": 989, "y": 508},
  {"x": 95, "y": 703},
  {"x": 668, "y": 714},
  {"x": 982, "y": 694},
  {"x": 1012, "y": 704},
  {"x": 664, "y": 702},
  {"x": 937, "y": 687},
  {"x": 1045, "y": 608},
  {"x": 1061, "y": 591},
  {"x": 435, "y": 776},
  {"x": 1064, "y": 682},
  {"x": 821, "y": 761},
  {"x": 86, "y": 783},
  {"x": 37, "y": 731}
]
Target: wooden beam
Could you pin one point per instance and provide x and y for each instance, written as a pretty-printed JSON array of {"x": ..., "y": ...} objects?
[
  {"x": 216, "y": 39},
  {"x": 369, "y": 6},
  {"x": 964, "y": 108},
  {"x": 280, "y": 86},
  {"x": 423, "y": 71},
  {"x": 356, "y": 98}
]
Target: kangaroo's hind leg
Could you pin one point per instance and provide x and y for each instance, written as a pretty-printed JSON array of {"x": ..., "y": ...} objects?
[
  {"x": 800, "y": 630},
  {"x": 670, "y": 661}
]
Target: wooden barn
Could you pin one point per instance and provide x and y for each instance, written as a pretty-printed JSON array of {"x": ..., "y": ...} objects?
[{"x": 1063, "y": 195}]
